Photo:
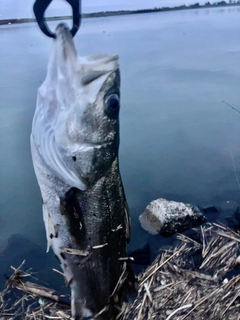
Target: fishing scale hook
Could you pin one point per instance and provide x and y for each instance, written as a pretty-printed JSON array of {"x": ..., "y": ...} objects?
[{"x": 40, "y": 7}]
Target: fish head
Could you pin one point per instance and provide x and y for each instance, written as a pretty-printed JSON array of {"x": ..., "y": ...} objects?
[
  {"x": 94, "y": 129},
  {"x": 76, "y": 123}
]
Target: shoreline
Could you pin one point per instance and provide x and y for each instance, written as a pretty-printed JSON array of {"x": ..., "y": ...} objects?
[
  {"x": 123, "y": 12},
  {"x": 198, "y": 276}
]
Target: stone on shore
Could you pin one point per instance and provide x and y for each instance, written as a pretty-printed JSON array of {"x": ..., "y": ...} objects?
[
  {"x": 169, "y": 217},
  {"x": 210, "y": 209},
  {"x": 234, "y": 220}
]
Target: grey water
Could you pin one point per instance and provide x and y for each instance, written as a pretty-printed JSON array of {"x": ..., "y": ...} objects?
[
  {"x": 179, "y": 140},
  {"x": 16, "y": 9}
]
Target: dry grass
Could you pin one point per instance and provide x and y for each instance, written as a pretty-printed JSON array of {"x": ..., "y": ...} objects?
[
  {"x": 198, "y": 278},
  {"x": 195, "y": 280},
  {"x": 22, "y": 299}
]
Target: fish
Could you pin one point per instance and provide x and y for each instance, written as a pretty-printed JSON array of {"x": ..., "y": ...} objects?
[{"x": 74, "y": 146}]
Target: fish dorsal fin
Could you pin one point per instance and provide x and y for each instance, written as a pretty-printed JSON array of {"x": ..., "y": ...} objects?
[{"x": 127, "y": 221}]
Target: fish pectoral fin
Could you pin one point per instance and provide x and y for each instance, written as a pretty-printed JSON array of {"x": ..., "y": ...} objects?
[
  {"x": 127, "y": 221},
  {"x": 43, "y": 142},
  {"x": 48, "y": 226}
]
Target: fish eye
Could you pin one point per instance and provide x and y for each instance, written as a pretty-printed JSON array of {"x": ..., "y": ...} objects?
[{"x": 113, "y": 104}]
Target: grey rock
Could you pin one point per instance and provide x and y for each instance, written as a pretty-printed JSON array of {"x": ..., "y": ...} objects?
[
  {"x": 234, "y": 220},
  {"x": 169, "y": 217},
  {"x": 210, "y": 209}
]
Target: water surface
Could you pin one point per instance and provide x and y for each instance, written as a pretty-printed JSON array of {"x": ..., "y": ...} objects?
[
  {"x": 16, "y": 9},
  {"x": 178, "y": 140}
]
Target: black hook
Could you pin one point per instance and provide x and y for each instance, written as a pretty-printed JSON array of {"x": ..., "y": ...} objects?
[{"x": 39, "y": 8}]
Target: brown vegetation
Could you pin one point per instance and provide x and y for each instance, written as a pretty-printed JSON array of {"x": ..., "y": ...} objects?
[
  {"x": 195, "y": 280},
  {"x": 198, "y": 278}
]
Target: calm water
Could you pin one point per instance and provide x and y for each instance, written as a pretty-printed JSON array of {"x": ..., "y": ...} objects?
[
  {"x": 178, "y": 140},
  {"x": 16, "y": 9}
]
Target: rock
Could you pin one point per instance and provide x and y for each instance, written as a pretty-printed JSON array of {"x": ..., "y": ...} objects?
[
  {"x": 168, "y": 217},
  {"x": 210, "y": 209},
  {"x": 234, "y": 220}
]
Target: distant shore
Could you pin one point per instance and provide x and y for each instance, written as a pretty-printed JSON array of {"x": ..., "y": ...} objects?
[{"x": 126, "y": 12}]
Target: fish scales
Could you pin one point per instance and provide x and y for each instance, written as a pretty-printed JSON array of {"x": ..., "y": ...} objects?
[
  {"x": 100, "y": 220},
  {"x": 74, "y": 145}
]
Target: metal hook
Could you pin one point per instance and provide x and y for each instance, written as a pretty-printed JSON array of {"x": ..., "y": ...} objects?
[{"x": 40, "y": 7}]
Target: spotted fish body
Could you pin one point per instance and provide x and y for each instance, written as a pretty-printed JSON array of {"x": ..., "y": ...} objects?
[{"x": 74, "y": 144}]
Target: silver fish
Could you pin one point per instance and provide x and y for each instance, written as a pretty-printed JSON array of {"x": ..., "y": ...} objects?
[{"x": 74, "y": 145}]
